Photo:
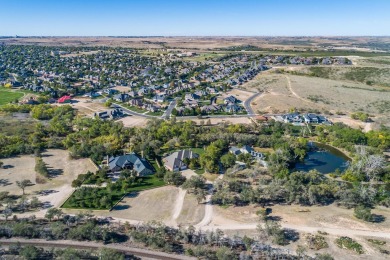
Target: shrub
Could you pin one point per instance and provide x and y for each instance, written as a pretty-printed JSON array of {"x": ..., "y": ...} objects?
[
  {"x": 316, "y": 242},
  {"x": 364, "y": 213},
  {"x": 350, "y": 244}
]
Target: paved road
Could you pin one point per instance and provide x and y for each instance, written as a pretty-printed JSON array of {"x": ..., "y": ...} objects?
[
  {"x": 247, "y": 104},
  {"x": 167, "y": 113},
  {"x": 130, "y": 112}
]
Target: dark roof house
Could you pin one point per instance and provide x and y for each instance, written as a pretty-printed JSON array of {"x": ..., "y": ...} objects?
[{"x": 130, "y": 161}]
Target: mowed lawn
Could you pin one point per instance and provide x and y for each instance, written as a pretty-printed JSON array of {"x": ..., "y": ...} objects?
[{"x": 7, "y": 96}]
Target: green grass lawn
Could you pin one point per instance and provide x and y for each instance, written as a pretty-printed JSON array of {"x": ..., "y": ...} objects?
[
  {"x": 7, "y": 96},
  {"x": 158, "y": 113},
  {"x": 91, "y": 198},
  {"x": 135, "y": 109}
]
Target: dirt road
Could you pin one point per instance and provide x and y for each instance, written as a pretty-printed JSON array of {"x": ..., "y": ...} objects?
[{"x": 334, "y": 231}]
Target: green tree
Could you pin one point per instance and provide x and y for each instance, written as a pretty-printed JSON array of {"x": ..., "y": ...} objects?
[
  {"x": 30, "y": 252},
  {"x": 228, "y": 160},
  {"x": 41, "y": 167},
  {"x": 53, "y": 212},
  {"x": 23, "y": 184},
  {"x": 174, "y": 178},
  {"x": 364, "y": 213},
  {"x": 110, "y": 254}
]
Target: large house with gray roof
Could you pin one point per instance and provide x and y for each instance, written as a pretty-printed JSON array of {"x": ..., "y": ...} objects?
[
  {"x": 130, "y": 161},
  {"x": 175, "y": 161}
]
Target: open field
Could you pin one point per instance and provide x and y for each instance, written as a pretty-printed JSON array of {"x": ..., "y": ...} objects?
[
  {"x": 134, "y": 121},
  {"x": 122, "y": 88},
  {"x": 192, "y": 212},
  {"x": 281, "y": 93},
  {"x": 8, "y": 95},
  {"x": 62, "y": 169},
  {"x": 336, "y": 45},
  {"x": 154, "y": 204},
  {"x": 308, "y": 220},
  {"x": 241, "y": 95},
  {"x": 17, "y": 123},
  {"x": 87, "y": 107},
  {"x": 378, "y": 75}
]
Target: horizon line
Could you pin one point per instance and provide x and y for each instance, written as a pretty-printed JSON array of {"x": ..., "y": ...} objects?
[{"x": 170, "y": 36}]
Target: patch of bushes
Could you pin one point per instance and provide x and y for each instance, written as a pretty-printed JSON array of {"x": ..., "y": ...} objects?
[
  {"x": 316, "y": 242},
  {"x": 376, "y": 242},
  {"x": 363, "y": 213},
  {"x": 350, "y": 244}
]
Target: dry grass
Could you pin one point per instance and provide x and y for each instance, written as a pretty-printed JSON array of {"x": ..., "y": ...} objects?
[
  {"x": 241, "y": 95},
  {"x": 61, "y": 167},
  {"x": 156, "y": 204},
  {"x": 192, "y": 212},
  {"x": 320, "y": 94},
  {"x": 87, "y": 107},
  {"x": 122, "y": 88}
]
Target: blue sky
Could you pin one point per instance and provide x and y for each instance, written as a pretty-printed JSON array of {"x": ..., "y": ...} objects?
[{"x": 194, "y": 18}]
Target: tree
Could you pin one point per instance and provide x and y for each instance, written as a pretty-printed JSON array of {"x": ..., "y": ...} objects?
[
  {"x": 200, "y": 195},
  {"x": 174, "y": 178},
  {"x": 23, "y": 184},
  {"x": 364, "y": 213},
  {"x": 34, "y": 202},
  {"x": 108, "y": 254},
  {"x": 41, "y": 167},
  {"x": 52, "y": 212},
  {"x": 228, "y": 160},
  {"x": 225, "y": 253},
  {"x": 30, "y": 252},
  {"x": 7, "y": 212}
]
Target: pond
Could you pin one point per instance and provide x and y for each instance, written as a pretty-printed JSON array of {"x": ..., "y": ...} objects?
[{"x": 324, "y": 159}]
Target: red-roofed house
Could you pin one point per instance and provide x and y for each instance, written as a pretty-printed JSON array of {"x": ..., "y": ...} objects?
[{"x": 64, "y": 99}]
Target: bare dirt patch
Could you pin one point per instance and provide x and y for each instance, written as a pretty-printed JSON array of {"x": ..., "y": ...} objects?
[
  {"x": 87, "y": 107},
  {"x": 122, "y": 88},
  {"x": 134, "y": 121}
]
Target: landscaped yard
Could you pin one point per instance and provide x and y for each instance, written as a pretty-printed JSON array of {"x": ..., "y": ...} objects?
[
  {"x": 158, "y": 113},
  {"x": 135, "y": 109},
  {"x": 105, "y": 198},
  {"x": 7, "y": 96}
]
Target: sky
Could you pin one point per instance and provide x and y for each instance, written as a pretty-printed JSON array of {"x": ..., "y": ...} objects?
[{"x": 195, "y": 18}]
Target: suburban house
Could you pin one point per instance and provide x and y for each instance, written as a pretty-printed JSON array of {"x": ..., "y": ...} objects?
[
  {"x": 130, "y": 161},
  {"x": 191, "y": 96},
  {"x": 246, "y": 149},
  {"x": 232, "y": 108},
  {"x": 292, "y": 118},
  {"x": 190, "y": 102},
  {"x": 136, "y": 102},
  {"x": 159, "y": 98},
  {"x": 92, "y": 94},
  {"x": 175, "y": 161},
  {"x": 110, "y": 114},
  {"x": 121, "y": 97},
  {"x": 314, "y": 119},
  {"x": 230, "y": 99}
]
